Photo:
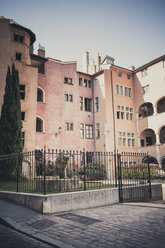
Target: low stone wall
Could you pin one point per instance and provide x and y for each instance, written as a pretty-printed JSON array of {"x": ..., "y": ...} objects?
[
  {"x": 62, "y": 202},
  {"x": 56, "y": 203},
  {"x": 163, "y": 191}
]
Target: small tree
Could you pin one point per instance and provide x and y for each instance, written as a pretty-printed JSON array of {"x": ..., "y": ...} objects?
[
  {"x": 60, "y": 164},
  {"x": 10, "y": 120}
]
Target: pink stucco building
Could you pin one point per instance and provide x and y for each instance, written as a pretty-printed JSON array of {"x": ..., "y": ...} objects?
[{"x": 101, "y": 107}]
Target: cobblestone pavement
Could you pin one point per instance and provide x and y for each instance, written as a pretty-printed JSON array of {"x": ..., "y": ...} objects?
[
  {"x": 11, "y": 238},
  {"x": 136, "y": 225}
]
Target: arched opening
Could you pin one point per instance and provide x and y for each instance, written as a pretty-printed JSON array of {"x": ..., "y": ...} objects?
[
  {"x": 150, "y": 160},
  {"x": 148, "y": 137},
  {"x": 39, "y": 125},
  {"x": 162, "y": 135},
  {"x": 40, "y": 95},
  {"x": 163, "y": 163},
  {"x": 161, "y": 105},
  {"x": 146, "y": 110}
]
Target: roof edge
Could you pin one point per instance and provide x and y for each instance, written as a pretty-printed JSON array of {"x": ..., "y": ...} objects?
[{"x": 152, "y": 62}]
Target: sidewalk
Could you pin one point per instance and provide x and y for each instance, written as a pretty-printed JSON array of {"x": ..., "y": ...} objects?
[{"x": 120, "y": 225}]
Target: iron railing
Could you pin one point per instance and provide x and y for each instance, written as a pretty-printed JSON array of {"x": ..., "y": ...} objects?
[{"x": 52, "y": 171}]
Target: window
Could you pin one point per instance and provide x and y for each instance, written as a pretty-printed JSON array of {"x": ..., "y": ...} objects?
[
  {"x": 81, "y": 103},
  {"x": 18, "y": 56},
  {"x": 124, "y": 140},
  {"x": 119, "y": 141},
  {"x": 96, "y": 81},
  {"x": 119, "y": 74},
  {"x": 128, "y": 77},
  {"x": 117, "y": 89},
  {"x": 164, "y": 63},
  {"x": 68, "y": 126},
  {"x": 142, "y": 142},
  {"x": 121, "y": 90},
  {"x": 89, "y": 84},
  {"x": 89, "y": 131},
  {"x": 23, "y": 138},
  {"x": 22, "y": 91},
  {"x": 81, "y": 131},
  {"x": 144, "y": 72},
  {"x": 39, "y": 95},
  {"x": 85, "y": 82},
  {"x": 96, "y": 104},
  {"x": 118, "y": 114},
  {"x": 22, "y": 116},
  {"x": 146, "y": 88},
  {"x": 80, "y": 81},
  {"x": 126, "y": 91},
  {"x": 133, "y": 142},
  {"x": 68, "y": 98},
  {"x": 88, "y": 105},
  {"x": 97, "y": 131},
  {"x": 129, "y": 142},
  {"x": 18, "y": 38},
  {"x": 129, "y": 92},
  {"x": 122, "y": 114},
  {"x": 68, "y": 80},
  {"x": 39, "y": 125},
  {"x": 71, "y": 126}
]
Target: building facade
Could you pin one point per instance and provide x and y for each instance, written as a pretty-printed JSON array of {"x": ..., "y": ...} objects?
[{"x": 101, "y": 107}]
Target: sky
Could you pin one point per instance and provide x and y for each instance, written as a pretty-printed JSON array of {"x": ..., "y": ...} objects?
[{"x": 131, "y": 31}]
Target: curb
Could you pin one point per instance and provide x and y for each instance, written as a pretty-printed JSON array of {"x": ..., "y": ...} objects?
[{"x": 10, "y": 223}]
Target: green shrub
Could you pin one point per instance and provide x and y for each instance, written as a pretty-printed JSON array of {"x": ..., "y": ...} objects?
[
  {"x": 137, "y": 173},
  {"x": 93, "y": 172}
]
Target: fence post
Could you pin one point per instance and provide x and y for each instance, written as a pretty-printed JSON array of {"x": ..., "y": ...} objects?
[
  {"x": 149, "y": 176},
  {"x": 84, "y": 155},
  {"x": 17, "y": 162},
  {"x": 115, "y": 169},
  {"x": 44, "y": 170},
  {"x": 120, "y": 177}
]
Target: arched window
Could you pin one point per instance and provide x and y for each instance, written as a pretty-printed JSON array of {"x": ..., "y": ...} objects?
[
  {"x": 148, "y": 137},
  {"x": 162, "y": 135},
  {"x": 150, "y": 159},
  {"x": 146, "y": 110},
  {"x": 40, "y": 95},
  {"x": 39, "y": 125},
  {"x": 163, "y": 163},
  {"x": 161, "y": 105}
]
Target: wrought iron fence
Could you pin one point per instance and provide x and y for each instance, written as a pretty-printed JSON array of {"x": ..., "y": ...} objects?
[{"x": 52, "y": 171}]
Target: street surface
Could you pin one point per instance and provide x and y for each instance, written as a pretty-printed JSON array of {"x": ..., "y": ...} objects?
[
  {"x": 12, "y": 239},
  {"x": 127, "y": 225}
]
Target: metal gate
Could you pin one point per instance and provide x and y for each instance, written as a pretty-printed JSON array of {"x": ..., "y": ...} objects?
[{"x": 134, "y": 179}]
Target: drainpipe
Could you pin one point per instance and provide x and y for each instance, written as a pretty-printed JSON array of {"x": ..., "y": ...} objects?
[
  {"x": 113, "y": 111},
  {"x": 94, "y": 133}
]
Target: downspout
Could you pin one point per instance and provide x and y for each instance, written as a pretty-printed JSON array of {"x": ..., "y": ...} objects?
[
  {"x": 113, "y": 111},
  {"x": 94, "y": 133}
]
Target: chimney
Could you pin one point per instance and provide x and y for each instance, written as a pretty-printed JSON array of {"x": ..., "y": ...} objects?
[
  {"x": 131, "y": 68},
  {"x": 98, "y": 61},
  {"x": 41, "y": 51},
  {"x": 85, "y": 62}
]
